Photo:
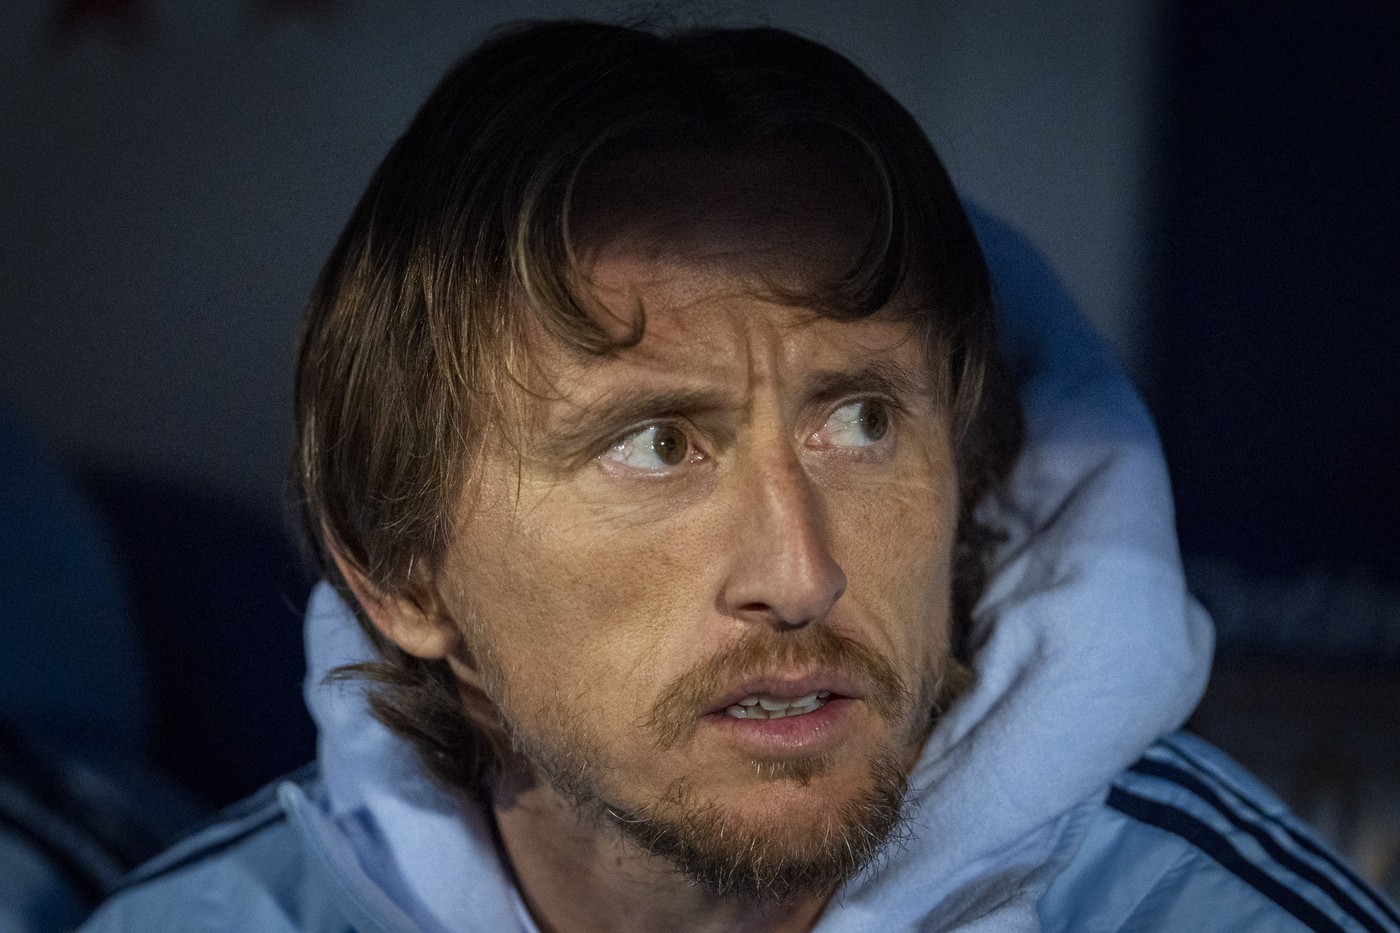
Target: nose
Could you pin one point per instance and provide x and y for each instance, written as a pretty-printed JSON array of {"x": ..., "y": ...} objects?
[{"x": 783, "y": 574}]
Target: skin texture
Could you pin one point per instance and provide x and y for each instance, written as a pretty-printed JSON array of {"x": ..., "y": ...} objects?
[{"x": 595, "y": 571}]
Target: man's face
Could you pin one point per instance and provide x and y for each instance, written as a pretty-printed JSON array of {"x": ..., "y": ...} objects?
[{"x": 707, "y": 580}]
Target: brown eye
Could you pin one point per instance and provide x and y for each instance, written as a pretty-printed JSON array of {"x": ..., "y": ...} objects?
[
  {"x": 857, "y": 424},
  {"x": 670, "y": 445},
  {"x": 874, "y": 419},
  {"x": 652, "y": 449}
]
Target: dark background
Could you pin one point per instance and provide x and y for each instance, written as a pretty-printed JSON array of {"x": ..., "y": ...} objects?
[{"x": 1272, "y": 356}]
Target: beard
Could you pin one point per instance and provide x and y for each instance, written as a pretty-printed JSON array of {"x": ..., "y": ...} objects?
[
  {"x": 706, "y": 842},
  {"x": 729, "y": 859}
]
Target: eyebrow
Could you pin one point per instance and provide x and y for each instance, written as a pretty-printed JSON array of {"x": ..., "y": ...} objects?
[
  {"x": 610, "y": 416},
  {"x": 613, "y": 414},
  {"x": 882, "y": 376}
]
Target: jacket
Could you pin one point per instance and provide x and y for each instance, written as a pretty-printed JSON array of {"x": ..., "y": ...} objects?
[{"x": 1182, "y": 840}]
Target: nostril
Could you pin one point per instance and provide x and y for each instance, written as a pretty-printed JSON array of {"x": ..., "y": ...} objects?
[{"x": 777, "y": 620}]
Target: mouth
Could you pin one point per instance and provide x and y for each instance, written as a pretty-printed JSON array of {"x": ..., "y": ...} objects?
[
  {"x": 785, "y": 697},
  {"x": 777, "y": 717},
  {"x": 768, "y": 706}
]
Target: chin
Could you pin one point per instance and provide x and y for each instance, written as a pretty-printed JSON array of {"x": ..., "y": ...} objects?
[
  {"x": 802, "y": 828},
  {"x": 798, "y": 789}
]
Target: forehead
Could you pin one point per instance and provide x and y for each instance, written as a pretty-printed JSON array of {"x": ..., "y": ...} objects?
[
  {"x": 703, "y": 313},
  {"x": 723, "y": 262},
  {"x": 713, "y": 342}
]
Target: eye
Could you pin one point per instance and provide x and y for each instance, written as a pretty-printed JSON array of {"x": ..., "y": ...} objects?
[
  {"x": 655, "y": 448},
  {"x": 857, "y": 424}
]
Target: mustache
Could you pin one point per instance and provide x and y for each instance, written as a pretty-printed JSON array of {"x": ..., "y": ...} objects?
[{"x": 673, "y": 717}]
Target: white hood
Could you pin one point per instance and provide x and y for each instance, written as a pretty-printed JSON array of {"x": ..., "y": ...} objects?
[{"x": 1087, "y": 649}]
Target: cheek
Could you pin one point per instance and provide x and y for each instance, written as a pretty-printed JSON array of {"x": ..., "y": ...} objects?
[
  {"x": 576, "y": 609},
  {"x": 903, "y": 521},
  {"x": 895, "y": 542}
]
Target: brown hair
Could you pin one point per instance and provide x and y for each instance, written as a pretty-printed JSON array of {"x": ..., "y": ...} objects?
[{"x": 461, "y": 246}]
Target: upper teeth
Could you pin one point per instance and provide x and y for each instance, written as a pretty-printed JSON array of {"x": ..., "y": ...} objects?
[{"x": 763, "y": 706}]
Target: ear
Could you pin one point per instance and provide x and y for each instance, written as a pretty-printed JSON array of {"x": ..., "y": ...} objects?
[{"x": 413, "y": 624}]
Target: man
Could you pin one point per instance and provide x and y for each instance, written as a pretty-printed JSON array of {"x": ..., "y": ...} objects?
[{"x": 653, "y": 433}]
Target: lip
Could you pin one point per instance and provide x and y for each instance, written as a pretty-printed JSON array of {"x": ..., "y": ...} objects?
[
  {"x": 841, "y": 686},
  {"x": 819, "y": 732}
]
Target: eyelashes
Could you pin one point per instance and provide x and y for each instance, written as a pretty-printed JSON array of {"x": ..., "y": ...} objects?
[
  {"x": 653, "y": 449},
  {"x": 862, "y": 423},
  {"x": 863, "y": 427}
]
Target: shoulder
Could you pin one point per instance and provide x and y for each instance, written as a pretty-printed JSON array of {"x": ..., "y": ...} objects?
[
  {"x": 244, "y": 869},
  {"x": 1186, "y": 839}
]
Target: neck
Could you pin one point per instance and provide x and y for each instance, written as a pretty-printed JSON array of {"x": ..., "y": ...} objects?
[{"x": 578, "y": 874}]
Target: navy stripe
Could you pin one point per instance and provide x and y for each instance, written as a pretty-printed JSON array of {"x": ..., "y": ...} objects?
[
  {"x": 142, "y": 875},
  {"x": 1203, "y": 837},
  {"x": 1270, "y": 845},
  {"x": 1379, "y": 902}
]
